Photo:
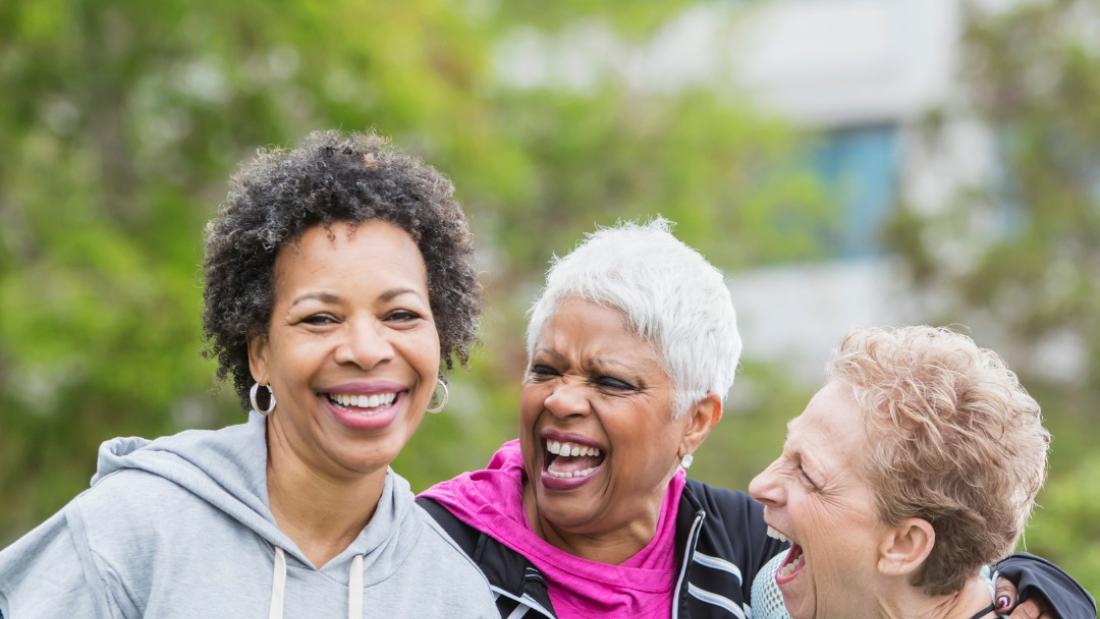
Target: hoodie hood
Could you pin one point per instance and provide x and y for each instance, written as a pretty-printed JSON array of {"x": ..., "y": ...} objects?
[{"x": 228, "y": 469}]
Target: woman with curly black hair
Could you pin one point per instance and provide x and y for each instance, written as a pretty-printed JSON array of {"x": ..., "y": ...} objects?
[{"x": 338, "y": 281}]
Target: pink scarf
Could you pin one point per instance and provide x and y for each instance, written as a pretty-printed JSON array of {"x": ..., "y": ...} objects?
[{"x": 491, "y": 501}]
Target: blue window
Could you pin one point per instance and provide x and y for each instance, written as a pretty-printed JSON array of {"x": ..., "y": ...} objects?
[{"x": 859, "y": 168}]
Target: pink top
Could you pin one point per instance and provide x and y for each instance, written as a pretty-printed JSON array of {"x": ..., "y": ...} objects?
[{"x": 491, "y": 501}]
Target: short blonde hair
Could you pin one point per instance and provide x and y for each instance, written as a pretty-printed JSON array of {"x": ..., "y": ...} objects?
[{"x": 953, "y": 439}]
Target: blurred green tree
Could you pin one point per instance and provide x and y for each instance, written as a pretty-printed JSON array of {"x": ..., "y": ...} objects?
[
  {"x": 1021, "y": 253},
  {"x": 121, "y": 121}
]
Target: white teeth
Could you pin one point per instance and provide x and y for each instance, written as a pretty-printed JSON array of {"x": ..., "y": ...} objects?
[
  {"x": 572, "y": 474},
  {"x": 777, "y": 535},
  {"x": 363, "y": 401},
  {"x": 569, "y": 450},
  {"x": 792, "y": 567}
]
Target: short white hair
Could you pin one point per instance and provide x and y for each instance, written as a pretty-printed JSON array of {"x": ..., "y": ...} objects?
[{"x": 670, "y": 295}]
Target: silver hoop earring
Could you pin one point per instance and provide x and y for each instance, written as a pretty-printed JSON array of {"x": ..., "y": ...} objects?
[
  {"x": 255, "y": 391},
  {"x": 435, "y": 408},
  {"x": 686, "y": 461}
]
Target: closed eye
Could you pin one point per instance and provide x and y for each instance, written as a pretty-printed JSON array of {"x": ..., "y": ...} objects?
[
  {"x": 541, "y": 372},
  {"x": 806, "y": 477},
  {"x": 610, "y": 382}
]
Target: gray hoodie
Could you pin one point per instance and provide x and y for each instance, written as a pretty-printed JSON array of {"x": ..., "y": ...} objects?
[{"x": 180, "y": 527}]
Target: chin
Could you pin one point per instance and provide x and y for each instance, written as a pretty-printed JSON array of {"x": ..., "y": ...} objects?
[
  {"x": 569, "y": 513},
  {"x": 799, "y": 611},
  {"x": 369, "y": 458}
]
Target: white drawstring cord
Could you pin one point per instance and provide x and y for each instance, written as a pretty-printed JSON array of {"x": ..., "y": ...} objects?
[
  {"x": 355, "y": 588},
  {"x": 278, "y": 585}
]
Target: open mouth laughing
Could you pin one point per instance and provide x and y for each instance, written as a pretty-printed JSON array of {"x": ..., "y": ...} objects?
[
  {"x": 793, "y": 563},
  {"x": 569, "y": 461}
]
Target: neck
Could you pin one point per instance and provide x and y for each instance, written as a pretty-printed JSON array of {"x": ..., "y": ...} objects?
[
  {"x": 612, "y": 546},
  {"x": 913, "y": 603},
  {"x": 321, "y": 512}
]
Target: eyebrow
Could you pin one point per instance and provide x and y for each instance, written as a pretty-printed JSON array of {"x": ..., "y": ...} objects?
[
  {"x": 607, "y": 362},
  {"x": 594, "y": 361},
  {"x": 328, "y": 297},
  {"x": 806, "y": 457},
  {"x": 548, "y": 352},
  {"x": 324, "y": 297},
  {"x": 393, "y": 293}
]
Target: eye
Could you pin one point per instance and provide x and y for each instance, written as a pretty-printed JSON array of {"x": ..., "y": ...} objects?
[
  {"x": 320, "y": 319},
  {"x": 541, "y": 372},
  {"x": 612, "y": 383},
  {"x": 402, "y": 315},
  {"x": 806, "y": 477}
]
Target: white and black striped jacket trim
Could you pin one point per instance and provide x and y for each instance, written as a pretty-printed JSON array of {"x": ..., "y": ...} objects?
[
  {"x": 721, "y": 536},
  {"x": 722, "y": 540}
]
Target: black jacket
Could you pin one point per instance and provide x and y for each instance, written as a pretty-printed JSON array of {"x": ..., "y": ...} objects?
[
  {"x": 720, "y": 535},
  {"x": 1036, "y": 577}
]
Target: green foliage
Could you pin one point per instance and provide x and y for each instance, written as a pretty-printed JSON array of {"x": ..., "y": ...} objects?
[
  {"x": 122, "y": 121},
  {"x": 1065, "y": 524},
  {"x": 1023, "y": 252}
]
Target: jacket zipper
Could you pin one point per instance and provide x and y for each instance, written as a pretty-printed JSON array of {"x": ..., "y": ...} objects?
[{"x": 689, "y": 550}]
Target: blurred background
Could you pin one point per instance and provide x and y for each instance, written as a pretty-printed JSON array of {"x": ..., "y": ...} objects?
[{"x": 845, "y": 162}]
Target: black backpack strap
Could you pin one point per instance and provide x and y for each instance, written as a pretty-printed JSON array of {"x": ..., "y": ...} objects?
[{"x": 464, "y": 535}]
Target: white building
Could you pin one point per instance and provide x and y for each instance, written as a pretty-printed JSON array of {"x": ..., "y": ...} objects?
[{"x": 862, "y": 74}]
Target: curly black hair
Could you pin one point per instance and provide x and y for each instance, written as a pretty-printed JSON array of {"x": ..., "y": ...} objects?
[{"x": 278, "y": 195}]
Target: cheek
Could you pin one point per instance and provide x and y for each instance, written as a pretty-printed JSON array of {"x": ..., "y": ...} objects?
[
  {"x": 849, "y": 548},
  {"x": 421, "y": 351},
  {"x": 295, "y": 359},
  {"x": 643, "y": 448},
  {"x": 531, "y": 398}
]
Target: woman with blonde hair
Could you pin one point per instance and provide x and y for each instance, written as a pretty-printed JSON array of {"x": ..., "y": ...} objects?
[{"x": 913, "y": 467}]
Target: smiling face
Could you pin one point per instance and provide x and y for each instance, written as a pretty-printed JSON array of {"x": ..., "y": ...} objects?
[
  {"x": 816, "y": 495},
  {"x": 597, "y": 430},
  {"x": 352, "y": 352}
]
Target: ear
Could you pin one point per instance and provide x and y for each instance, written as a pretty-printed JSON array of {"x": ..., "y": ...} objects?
[
  {"x": 905, "y": 547},
  {"x": 257, "y": 358},
  {"x": 701, "y": 418}
]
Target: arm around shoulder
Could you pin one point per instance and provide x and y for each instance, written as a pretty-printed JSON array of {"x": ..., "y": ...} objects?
[{"x": 1035, "y": 576}]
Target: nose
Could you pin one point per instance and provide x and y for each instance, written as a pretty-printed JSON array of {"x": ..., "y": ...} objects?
[
  {"x": 568, "y": 399},
  {"x": 767, "y": 487},
  {"x": 365, "y": 343}
]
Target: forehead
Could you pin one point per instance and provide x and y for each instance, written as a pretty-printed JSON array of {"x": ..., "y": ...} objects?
[
  {"x": 832, "y": 426},
  {"x": 589, "y": 329},
  {"x": 374, "y": 252}
]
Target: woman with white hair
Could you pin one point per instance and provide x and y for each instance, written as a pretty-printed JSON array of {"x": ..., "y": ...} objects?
[{"x": 632, "y": 348}]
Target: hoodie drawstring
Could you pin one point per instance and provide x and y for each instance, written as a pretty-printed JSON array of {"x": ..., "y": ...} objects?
[
  {"x": 278, "y": 586},
  {"x": 355, "y": 588}
]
